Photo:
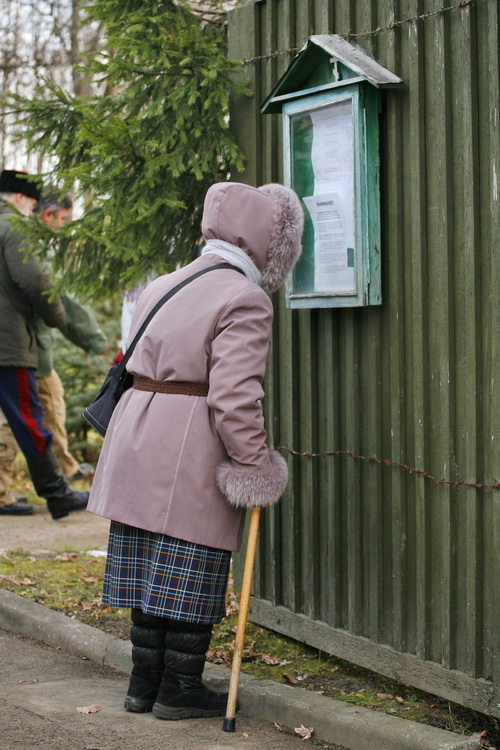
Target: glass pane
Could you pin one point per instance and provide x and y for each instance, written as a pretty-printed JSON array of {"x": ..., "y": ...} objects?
[{"x": 322, "y": 174}]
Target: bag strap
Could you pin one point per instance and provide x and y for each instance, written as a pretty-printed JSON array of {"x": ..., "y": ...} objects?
[{"x": 160, "y": 304}]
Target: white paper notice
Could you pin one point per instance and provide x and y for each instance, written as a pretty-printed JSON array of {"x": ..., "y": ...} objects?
[
  {"x": 332, "y": 205},
  {"x": 332, "y": 148},
  {"x": 331, "y": 271}
]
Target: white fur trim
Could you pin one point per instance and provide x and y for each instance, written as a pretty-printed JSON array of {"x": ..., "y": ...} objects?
[
  {"x": 245, "y": 488},
  {"x": 285, "y": 247}
]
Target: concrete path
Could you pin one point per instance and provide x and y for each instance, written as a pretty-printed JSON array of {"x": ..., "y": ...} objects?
[{"x": 42, "y": 689}]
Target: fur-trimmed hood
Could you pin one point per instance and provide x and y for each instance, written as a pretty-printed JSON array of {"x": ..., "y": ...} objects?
[{"x": 265, "y": 222}]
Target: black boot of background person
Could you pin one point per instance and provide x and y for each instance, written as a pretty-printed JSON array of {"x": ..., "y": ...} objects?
[
  {"x": 16, "y": 508},
  {"x": 148, "y": 652},
  {"x": 182, "y": 695},
  {"x": 52, "y": 485}
]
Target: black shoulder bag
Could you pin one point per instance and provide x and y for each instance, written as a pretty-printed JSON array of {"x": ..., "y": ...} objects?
[{"x": 118, "y": 380}]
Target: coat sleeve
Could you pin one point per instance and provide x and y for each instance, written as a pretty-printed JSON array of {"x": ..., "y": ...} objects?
[
  {"x": 81, "y": 327},
  {"x": 33, "y": 279},
  {"x": 253, "y": 474}
]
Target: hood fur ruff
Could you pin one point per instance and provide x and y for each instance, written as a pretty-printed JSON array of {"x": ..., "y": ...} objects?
[
  {"x": 245, "y": 488},
  {"x": 285, "y": 246},
  {"x": 265, "y": 222}
]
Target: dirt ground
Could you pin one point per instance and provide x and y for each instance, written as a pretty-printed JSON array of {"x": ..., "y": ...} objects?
[{"x": 74, "y": 533}]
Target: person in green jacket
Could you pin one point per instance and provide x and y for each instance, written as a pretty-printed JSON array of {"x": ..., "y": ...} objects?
[
  {"x": 82, "y": 329},
  {"x": 24, "y": 287}
]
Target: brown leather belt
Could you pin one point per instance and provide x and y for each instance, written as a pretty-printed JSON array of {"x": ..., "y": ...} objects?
[{"x": 170, "y": 386}]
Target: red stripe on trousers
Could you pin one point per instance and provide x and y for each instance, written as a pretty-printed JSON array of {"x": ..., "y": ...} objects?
[{"x": 23, "y": 394}]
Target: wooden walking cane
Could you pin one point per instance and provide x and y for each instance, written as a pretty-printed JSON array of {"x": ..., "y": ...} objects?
[{"x": 229, "y": 723}]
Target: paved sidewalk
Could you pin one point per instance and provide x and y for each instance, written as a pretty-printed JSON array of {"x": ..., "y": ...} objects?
[
  {"x": 63, "y": 682},
  {"x": 42, "y": 689}
]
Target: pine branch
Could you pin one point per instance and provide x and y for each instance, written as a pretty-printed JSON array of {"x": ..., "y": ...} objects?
[{"x": 140, "y": 159}]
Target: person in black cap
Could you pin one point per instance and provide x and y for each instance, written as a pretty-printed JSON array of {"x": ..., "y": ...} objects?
[{"x": 24, "y": 291}]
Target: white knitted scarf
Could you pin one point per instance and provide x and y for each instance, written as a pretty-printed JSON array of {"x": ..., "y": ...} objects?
[{"x": 235, "y": 255}]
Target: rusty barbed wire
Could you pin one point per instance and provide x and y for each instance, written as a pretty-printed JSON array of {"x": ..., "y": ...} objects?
[
  {"x": 387, "y": 462},
  {"x": 388, "y": 27},
  {"x": 412, "y": 19}
]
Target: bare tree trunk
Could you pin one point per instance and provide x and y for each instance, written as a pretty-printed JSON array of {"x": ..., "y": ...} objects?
[{"x": 74, "y": 56}]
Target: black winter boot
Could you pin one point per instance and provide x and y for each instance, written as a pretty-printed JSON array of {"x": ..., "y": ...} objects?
[
  {"x": 51, "y": 484},
  {"x": 148, "y": 651},
  {"x": 182, "y": 695}
]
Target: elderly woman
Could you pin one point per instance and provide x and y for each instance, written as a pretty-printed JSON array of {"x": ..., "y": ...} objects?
[{"x": 185, "y": 453}]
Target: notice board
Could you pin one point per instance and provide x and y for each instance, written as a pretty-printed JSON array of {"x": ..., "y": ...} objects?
[{"x": 331, "y": 161}]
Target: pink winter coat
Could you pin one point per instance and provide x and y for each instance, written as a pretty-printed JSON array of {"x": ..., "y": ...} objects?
[{"x": 188, "y": 466}]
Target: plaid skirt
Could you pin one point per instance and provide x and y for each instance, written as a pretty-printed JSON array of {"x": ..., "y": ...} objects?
[{"x": 164, "y": 576}]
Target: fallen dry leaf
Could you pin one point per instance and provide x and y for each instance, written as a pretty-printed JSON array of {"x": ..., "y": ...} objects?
[
  {"x": 305, "y": 733},
  {"x": 219, "y": 657},
  {"x": 248, "y": 654},
  {"x": 278, "y": 727},
  {"x": 90, "y": 579},
  {"x": 245, "y": 734},
  {"x": 232, "y": 603},
  {"x": 483, "y": 741},
  {"x": 385, "y": 696},
  {"x": 66, "y": 557},
  {"x": 272, "y": 661},
  {"x": 290, "y": 679},
  {"x": 20, "y": 581},
  {"x": 93, "y": 709},
  {"x": 399, "y": 699}
]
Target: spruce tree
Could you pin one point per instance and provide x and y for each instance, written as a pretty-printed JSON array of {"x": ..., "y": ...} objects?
[{"x": 142, "y": 153}]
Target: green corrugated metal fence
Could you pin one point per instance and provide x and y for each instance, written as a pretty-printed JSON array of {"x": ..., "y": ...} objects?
[{"x": 371, "y": 561}]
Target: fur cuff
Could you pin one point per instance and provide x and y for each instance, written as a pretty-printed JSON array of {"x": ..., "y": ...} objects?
[{"x": 245, "y": 488}]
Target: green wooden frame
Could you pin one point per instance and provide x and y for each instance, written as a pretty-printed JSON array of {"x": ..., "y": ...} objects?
[{"x": 302, "y": 288}]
